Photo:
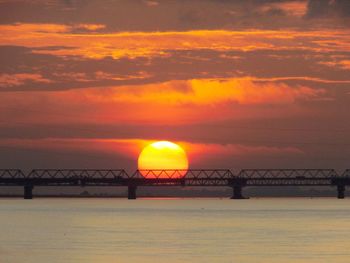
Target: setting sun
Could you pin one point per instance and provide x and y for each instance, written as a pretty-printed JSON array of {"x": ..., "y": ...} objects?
[{"x": 162, "y": 155}]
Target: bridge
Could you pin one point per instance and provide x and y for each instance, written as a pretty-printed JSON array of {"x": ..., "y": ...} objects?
[{"x": 191, "y": 177}]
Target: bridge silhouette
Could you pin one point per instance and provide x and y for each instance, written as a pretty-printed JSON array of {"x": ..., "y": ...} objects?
[{"x": 191, "y": 177}]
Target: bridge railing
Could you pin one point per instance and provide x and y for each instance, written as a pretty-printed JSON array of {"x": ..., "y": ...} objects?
[
  {"x": 185, "y": 174},
  {"x": 195, "y": 174},
  {"x": 78, "y": 173},
  {"x": 287, "y": 173},
  {"x": 11, "y": 173},
  {"x": 346, "y": 173}
]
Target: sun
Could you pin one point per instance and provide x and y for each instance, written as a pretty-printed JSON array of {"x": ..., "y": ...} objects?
[{"x": 163, "y": 155}]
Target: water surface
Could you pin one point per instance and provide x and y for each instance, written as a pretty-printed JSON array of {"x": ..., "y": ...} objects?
[{"x": 174, "y": 230}]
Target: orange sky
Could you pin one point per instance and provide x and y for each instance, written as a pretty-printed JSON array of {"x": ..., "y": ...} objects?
[{"x": 237, "y": 83}]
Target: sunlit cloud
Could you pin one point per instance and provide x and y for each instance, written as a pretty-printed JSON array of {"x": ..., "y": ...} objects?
[
  {"x": 12, "y": 80},
  {"x": 98, "y": 76},
  {"x": 171, "y": 103},
  {"x": 294, "y": 8},
  {"x": 305, "y": 78},
  {"x": 90, "y": 27},
  {"x": 96, "y": 45},
  {"x": 208, "y": 92},
  {"x": 341, "y": 64},
  {"x": 151, "y": 3}
]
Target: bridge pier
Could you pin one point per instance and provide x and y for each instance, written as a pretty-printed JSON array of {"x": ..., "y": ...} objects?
[
  {"x": 237, "y": 192},
  {"x": 132, "y": 192},
  {"x": 28, "y": 192},
  {"x": 341, "y": 191}
]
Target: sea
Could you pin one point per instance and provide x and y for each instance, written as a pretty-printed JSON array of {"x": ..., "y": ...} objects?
[{"x": 110, "y": 230}]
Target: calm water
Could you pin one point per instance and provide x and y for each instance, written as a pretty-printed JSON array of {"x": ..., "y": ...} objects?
[{"x": 174, "y": 230}]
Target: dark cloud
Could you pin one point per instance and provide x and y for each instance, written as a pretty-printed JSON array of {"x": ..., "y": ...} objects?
[
  {"x": 71, "y": 73},
  {"x": 328, "y": 9},
  {"x": 127, "y": 15},
  {"x": 68, "y": 73}
]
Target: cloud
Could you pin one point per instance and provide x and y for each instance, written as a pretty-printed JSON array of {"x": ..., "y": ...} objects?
[
  {"x": 237, "y": 149},
  {"x": 293, "y": 8},
  {"x": 294, "y": 67},
  {"x": 88, "y": 27},
  {"x": 187, "y": 70},
  {"x": 328, "y": 8},
  {"x": 208, "y": 92},
  {"x": 171, "y": 103},
  {"x": 97, "y": 76},
  {"x": 197, "y": 152},
  {"x": 126, "y": 147},
  {"x": 340, "y": 64},
  {"x": 306, "y": 78},
  {"x": 117, "y": 45},
  {"x": 239, "y": 155},
  {"x": 345, "y": 64},
  {"x": 151, "y": 15},
  {"x": 151, "y": 3},
  {"x": 12, "y": 80}
]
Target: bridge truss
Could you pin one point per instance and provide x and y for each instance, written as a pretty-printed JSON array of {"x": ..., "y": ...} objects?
[{"x": 191, "y": 177}]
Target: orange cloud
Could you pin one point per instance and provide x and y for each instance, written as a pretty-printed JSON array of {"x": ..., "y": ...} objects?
[
  {"x": 207, "y": 92},
  {"x": 136, "y": 44},
  {"x": 342, "y": 64},
  {"x": 99, "y": 75},
  {"x": 11, "y": 80},
  {"x": 294, "y": 8},
  {"x": 151, "y": 3},
  {"x": 345, "y": 64},
  {"x": 304, "y": 78},
  {"x": 91, "y": 27},
  {"x": 171, "y": 103}
]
